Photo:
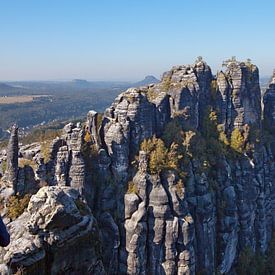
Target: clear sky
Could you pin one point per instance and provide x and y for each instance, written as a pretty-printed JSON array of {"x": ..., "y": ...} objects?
[{"x": 128, "y": 39}]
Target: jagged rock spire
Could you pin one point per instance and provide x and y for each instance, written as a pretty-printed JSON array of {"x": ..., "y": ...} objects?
[
  {"x": 11, "y": 173},
  {"x": 238, "y": 96},
  {"x": 273, "y": 78},
  {"x": 269, "y": 105},
  {"x": 92, "y": 127}
]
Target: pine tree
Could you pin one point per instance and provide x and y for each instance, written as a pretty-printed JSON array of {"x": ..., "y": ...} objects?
[{"x": 237, "y": 140}]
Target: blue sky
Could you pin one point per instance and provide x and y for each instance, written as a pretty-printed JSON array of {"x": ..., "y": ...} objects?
[{"x": 126, "y": 40}]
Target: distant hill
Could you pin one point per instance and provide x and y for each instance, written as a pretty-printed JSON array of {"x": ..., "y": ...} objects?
[
  {"x": 149, "y": 79},
  {"x": 80, "y": 81},
  {"x": 8, "y": 90},
  {"x": 5, "y": 86}
]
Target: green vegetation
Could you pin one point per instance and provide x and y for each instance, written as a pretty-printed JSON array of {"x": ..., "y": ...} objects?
[
  {"x": 157, "y": 152},
  {"x": 132, "y": 188},
  {"x": 87, "y": 137},
  {"x": 209, "y": 124},
  {"x": 177, "y": 146},
  {"x": 45, "y": 150},
  {"x": 166, "y": 82},
  {"x": 99, "y": 119},
  {"x": 66, "y": 101},
  {"x": 222, "y": 137},
  {"x": 214, "y": 89},
  {"x": 179, "y": 187},
  {"x": 16, "y": 205},
  {"x": 250, "y": 263},
  {"x": 237, "y": 141},
  {"x": 4, "y": 166},
  {"x": 269, "y": 261},
  {"x": 26, "y": 162},
  {"x": 41, "y": 135},
  {"x": 173, "y": 132},
  {"x": 249, "y": 66},
  {"x": 88, "y": 149},
  {"x": 151, "y": 94},
  {"x": 3, "y": 144},
  {"x": 160, "y": 157}
]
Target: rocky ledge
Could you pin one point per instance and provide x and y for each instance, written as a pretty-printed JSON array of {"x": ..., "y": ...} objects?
[{"x": 57, "y": 234}]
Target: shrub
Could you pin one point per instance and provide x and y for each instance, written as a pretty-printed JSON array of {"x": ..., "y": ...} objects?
[
  {"x": 45, "y": 150},
  {"x": 223, "y": 138},
  {"x": 152, "y": 94},
  {"x": 174, "y": 156},
  {"x": 132, "y": 188},
  {"x": 40, "y": 135},
  {"x": 99, "y": 119},
  {"x": 16, "y": 205},
  {"x": 237, "y": 141},
  {"x": 179, "y": 188},
  {"x": 252, "y": 263},
  {"x": 87, "y": 137},
  {"x": 166, "y": 84},
  {"x": 148, "y": 144},
  {"x": 158, "y": 157},
  {"x": 27, "y": 162},
  {"x": 161, "y": 157},
  {"x": 214, "y": 89},
  {"x": 209, "y": 124},
  {"x": 4, "y": 166},
  {"x": 172, "y": 132}
]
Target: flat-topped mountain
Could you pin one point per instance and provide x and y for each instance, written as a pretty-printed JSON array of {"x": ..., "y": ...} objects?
[{"x": 176, "y": 177}]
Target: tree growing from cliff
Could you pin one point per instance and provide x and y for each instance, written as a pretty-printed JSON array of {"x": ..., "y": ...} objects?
[
  {"x": 237, "y": 140},
  {"x": 157, "y": 151},
  {"x": 172, "y": 132},
  {"x": 161, "y": 157}
]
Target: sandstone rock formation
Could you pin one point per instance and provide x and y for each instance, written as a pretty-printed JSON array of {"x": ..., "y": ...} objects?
[
  {"x": 11, "y": 173},
  {"x": 269, "y": 105},
  {"x": 239, "y": 94},
  {"x": 57, "y": 234},
  {"x": 180, "y": 177}
]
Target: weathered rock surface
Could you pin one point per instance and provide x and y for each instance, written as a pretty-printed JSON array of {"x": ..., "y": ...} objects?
[
  {"x": 11, "y": 173},
  {"x": 269, "y": 105},
  {"x": 57, "y": 234},
  {"x": 239, "y": 94},
  {"x": 217, "y": 224},
  {"x": 193, "y": 219}
]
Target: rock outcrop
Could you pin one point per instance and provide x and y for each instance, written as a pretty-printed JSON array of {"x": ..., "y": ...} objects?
[
  {"x": 179, "y": 175},
  {"x": 66, "y": 164},
  {"x": 269, "y": 105},
  {"x": 92, "y": 127},
  {"x": 238, "y": 94},
  {"x": 57, "y": 234},
  {"x": 205, "y": 229},
  {"x": 11, "y": 173}
]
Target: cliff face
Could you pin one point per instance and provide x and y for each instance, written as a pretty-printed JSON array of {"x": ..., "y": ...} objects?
[
  {"x": 179, "y": 174},
  {"x": 220, "y": 210},
  {"x": 269, "y": 105}
]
